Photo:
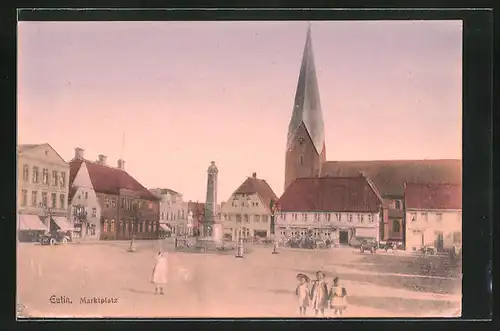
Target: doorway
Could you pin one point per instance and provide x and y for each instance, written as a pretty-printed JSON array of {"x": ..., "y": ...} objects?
[{"x": 343, "y": 237}]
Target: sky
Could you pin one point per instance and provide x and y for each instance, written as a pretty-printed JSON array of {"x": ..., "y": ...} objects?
[{"x": 169, "y": 97}]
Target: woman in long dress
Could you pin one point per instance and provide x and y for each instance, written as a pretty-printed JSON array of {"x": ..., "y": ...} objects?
[
  {"x": 319, "y": 294},
  {"x": 159, "y": 276}
]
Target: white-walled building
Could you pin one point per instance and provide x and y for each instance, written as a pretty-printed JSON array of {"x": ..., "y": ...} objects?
[
  {"x": 433, "y": 215},
  {"x": 42, "y": 190},
  {"x": 173, "y": 211},
  {"x": 337, "y": 208},
  {"x": 82, "y": 196},
  {"x": 247, "y": 212}
]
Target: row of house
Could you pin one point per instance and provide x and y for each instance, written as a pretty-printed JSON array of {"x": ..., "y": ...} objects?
[{"x": 341, "y": 208}]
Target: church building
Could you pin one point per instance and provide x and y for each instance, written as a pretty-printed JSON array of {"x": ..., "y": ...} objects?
[{"x": 306, "y": 155}]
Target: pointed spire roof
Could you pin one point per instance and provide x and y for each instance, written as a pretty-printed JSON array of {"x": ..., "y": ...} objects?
[{"x": 307, "y": 107}]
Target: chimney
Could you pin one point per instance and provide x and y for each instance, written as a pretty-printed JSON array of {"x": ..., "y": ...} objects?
[
  {"x": 79, "y": 153},
  {"x": 102, "y": 159},
  {"x": 121, "y": 164},
  {"x": 254, "y": 175}
]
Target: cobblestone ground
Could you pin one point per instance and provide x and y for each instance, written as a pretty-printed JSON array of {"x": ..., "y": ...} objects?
[{"x": 217, "y": 285}]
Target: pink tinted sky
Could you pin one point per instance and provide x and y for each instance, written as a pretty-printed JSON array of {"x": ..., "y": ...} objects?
[{"x": 187, "y": 93}]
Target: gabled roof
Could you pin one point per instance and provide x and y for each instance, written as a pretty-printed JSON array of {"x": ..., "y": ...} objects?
[
  {"x": 72, "y": 192},
  {"x": 253, "y": 185},
  {"x": 109, "y": 180},
  {"x": 307, "y": 106},
  {"x": 330, "y": 194},
  {"x": 24, "y": 147},
  {"x": 389, "y": 176},
  {"x": 433, "y": 196}
]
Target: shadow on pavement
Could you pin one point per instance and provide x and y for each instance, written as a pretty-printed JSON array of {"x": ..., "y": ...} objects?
[
  {"x": 138, "y": 291},
  {"x": 414, "y": 265},
  {"x": 402, "y": 305},
  {"x": 274, "y": 291},
  {"x": 441, "y": 286}
]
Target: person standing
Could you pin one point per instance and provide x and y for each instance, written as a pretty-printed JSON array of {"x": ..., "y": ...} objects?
[
  {"x": 159, "y": 276},
  {"x": 319, "y": 294},
  {"x": 338, "y": 297},
  {"x": 302, "y": 293}
]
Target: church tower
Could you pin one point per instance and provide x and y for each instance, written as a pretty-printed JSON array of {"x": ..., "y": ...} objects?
[{"x": 305, "y": 146}]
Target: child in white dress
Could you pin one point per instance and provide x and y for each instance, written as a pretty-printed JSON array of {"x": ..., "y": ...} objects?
[
  {"x": 160, "y": 272},
  {"x": 302, "y": 293}
]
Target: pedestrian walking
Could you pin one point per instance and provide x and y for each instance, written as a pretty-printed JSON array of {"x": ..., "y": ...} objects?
[
  {"x": 338, "y": 297},
  {"x": 319, "y": 294},
  {"x": 302, "y": 293},
  {"x": 159, "y": 276}
]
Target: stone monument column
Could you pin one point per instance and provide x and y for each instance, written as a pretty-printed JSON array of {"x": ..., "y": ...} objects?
[{"x": 211, "y": 202}]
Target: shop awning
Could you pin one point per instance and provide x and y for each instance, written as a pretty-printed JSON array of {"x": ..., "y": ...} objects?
[
  {"x": 31, "y": 222},
  {"x": 165, "y": 227},
  {"x": 63, "y": 223}
]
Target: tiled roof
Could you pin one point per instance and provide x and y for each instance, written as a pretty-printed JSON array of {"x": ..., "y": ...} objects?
[
  {"x": 389, "y": 176},
  {"x": 72, "y": 192},
  {"x": 106, "y": 179},
  {"x": 253, "y": 185},
  {"x": 330, "y": 194},
  {"x": 433, "y": 196}
]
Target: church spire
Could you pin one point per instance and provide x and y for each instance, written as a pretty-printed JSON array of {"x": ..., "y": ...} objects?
[{"x": 307, "y": 107}]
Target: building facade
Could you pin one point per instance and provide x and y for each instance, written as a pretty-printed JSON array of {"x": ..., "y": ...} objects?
[
  {"x": 305, "y": 155},
  {"x": 433, "y": 214},
  {"x": 173, "y": 211},
  {"x": 127, "y": 208},
  {"x": 42, "y": 185},
  {"x": 336, "y": 208},
  {"x": 247, "y": 213}
]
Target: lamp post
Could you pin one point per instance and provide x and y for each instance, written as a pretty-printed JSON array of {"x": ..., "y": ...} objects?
[
  {"x": 135, "y": 219},
  {"x": 273, "y": 205}
]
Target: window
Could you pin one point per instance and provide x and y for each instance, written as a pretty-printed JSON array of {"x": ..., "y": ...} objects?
[
  {"x": 362, "y": 219},
  {"x": 112, "y": 225},
  {"x": 245, "y": 218},
  {"x": 457, "y": 237},
  {"x": 178, "y": 214},
  {"x": 283, "y": 217},
  {"x": 264, "y": 218},
  {"x": 62, "y": 201},
  {"x": 62, "y": 182},
  {"x": 294, "y": 217},
  {"x": 33, "y": 198},
  {"x": 162, "y": 215},
  {"x": 44, "y": 198},
  {"x": 94, "y": 212},
  {"x": 413, "y": 217},
  {"x": 398, "y": 204},
  {"x": 350, "y": 218},
  {"x": 256, "y": 218},
  {"x": 86, "y": 195},
  {"x": 304, "y": 217},
  {"x": 122, "y": 203},
  {"x": 113, "y": 202},
  {"x": 106, "y": 202},
  {"x": 317, "y": 217},
  {"x": 358, "y": 218},
  {"x": 301, "y": 159},
  {"x": 25, "y": 172},
  {"x": 370, "y": 218},
  {"x": 238, "y": 218},
  {"x": 424, "y": 216},
  {"x": 45, "y": 176},
  {"x": 143, "y": 226},
  {"x": 35, "y": 174},
  {"x": 54, "y": 178},
  {"x": 24, "y": 197},
  {"x": 439, "y": 217},
  {"x": 105, "y": 226},
  {"x": 150, "y": 227},
  {"x": 337, "y": 217},
  {"x": 396, "y": 226},
  {"x": 225, "y": 217}
]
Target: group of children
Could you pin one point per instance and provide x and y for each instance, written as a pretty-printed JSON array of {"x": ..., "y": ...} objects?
[{"x": 319, "y": 296}]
